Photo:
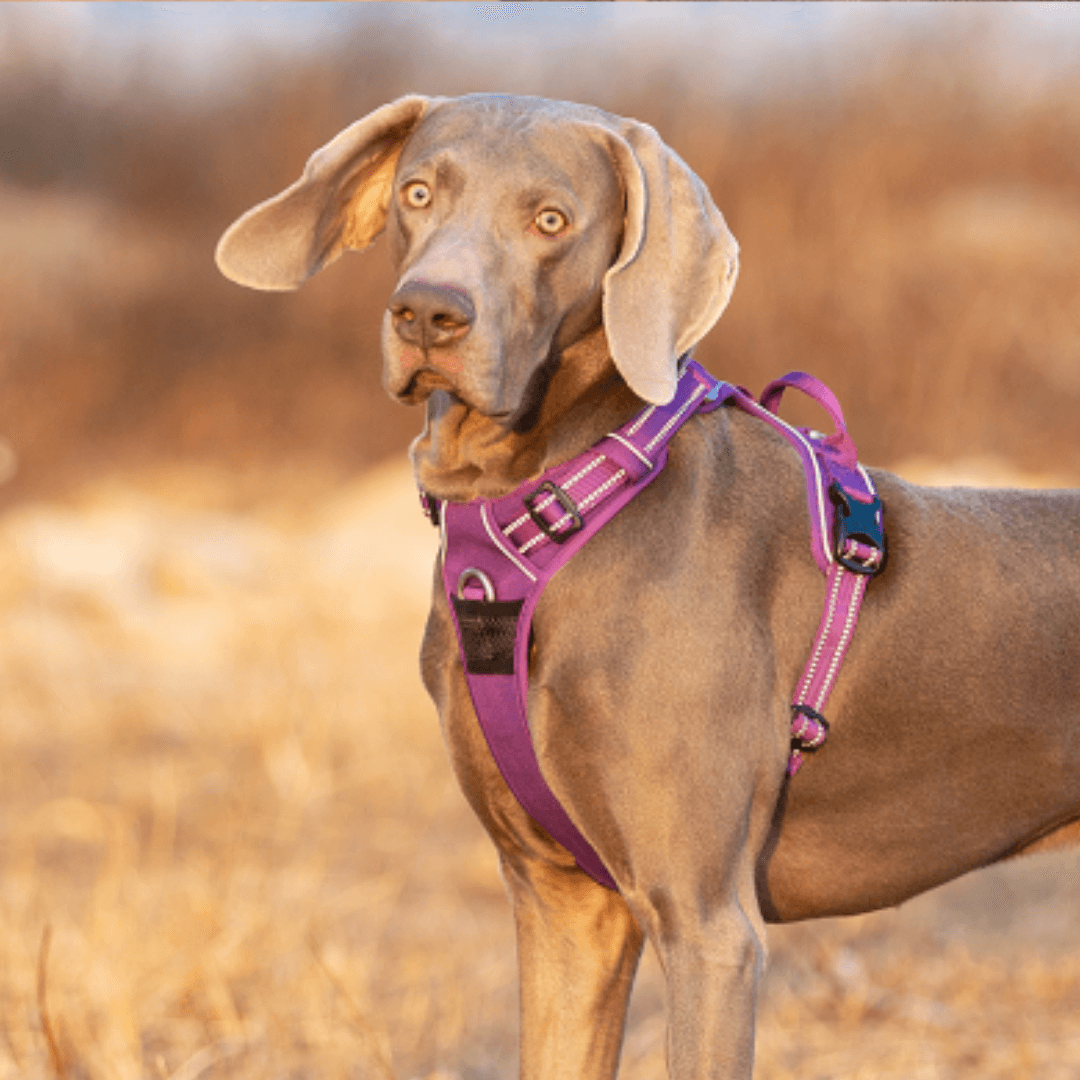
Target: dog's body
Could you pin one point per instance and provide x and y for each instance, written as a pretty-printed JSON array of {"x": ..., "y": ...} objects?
[{"x": 554, "y": 261}]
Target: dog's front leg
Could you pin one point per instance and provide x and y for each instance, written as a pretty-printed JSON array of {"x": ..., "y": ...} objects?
[
  {"x": 681, "y": 826},
  {"x": 578, "y": 944},
  {"x": 713, "y": 955},
  {"x": 712, "y": 993},
  {"x": 578, "y": 950}
]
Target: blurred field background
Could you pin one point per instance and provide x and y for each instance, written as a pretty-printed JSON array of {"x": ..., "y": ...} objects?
[{"x": 230, "y": 843}]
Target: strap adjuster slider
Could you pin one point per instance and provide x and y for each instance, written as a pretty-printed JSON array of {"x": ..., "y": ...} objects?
[{"x": 564, "y": 501}]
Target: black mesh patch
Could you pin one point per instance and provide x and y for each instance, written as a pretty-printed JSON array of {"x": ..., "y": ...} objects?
[{"x": 488, "y": 628}]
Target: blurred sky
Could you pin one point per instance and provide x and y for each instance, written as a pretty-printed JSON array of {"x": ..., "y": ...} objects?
[
  {"x": 904, "y": 183},
  {"x": 192, "y": 47}
]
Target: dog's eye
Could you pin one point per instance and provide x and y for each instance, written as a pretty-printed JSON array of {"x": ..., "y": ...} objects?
[
  {"x": 550, "y": 222},
  {"x": 417, "y": 194}
]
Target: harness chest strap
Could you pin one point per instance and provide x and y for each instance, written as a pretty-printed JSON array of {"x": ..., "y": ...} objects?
[{"x": 498, "y": 555}]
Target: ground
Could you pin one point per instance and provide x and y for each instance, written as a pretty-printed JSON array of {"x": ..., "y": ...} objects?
[{"x": 232, "y": 844}]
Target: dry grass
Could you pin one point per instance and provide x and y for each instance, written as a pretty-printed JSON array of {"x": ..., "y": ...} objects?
[
  {"x": 226, "y": 796},
  {"x": 232, "y": 844}
]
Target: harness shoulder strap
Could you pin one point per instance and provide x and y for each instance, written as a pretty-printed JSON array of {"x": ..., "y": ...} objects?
[{"x": 498, "y": 555}]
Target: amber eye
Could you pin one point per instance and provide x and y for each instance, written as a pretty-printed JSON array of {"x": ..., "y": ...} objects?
[
  {"x": 550, "y": 222},
  {"x": 417, "y": 194}
]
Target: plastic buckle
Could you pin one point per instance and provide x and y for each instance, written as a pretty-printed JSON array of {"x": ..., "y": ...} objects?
[
  {"x": 564, "y": 501},
  {"x": 861, "y": 522},
  {"x": 430, "y": 505}
]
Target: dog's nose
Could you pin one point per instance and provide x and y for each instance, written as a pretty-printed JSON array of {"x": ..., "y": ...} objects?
[{"x": 426, "y": 314}]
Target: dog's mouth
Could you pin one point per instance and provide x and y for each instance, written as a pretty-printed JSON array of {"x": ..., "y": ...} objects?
[{"x": 423, "y": 384}]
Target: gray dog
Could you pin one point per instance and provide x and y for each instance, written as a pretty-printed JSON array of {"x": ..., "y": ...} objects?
[{"x": 554, "y": 261}]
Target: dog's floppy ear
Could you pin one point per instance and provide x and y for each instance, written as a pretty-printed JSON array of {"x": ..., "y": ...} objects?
[
  {"x": 676, "y": 269},
  {"x": 340, "y": 202}
]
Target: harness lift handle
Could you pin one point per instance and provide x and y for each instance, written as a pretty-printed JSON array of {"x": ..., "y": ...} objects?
[{"x": 840, "y": 442}]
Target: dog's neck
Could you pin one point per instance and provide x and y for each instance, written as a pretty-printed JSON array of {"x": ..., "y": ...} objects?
[{"x": 462, "y": 455}]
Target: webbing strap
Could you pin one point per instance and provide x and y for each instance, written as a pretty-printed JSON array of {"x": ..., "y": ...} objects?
[
  {"x": 508, "y": 549},
  {"x": 848, "y": 543},
  {"x": 498, "y": 555}
]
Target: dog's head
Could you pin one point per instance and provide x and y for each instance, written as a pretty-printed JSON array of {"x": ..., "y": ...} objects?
[{"x": 517, "y": 226}]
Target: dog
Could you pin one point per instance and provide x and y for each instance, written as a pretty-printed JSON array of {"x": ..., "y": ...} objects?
[{"x": 553, "y": 262}]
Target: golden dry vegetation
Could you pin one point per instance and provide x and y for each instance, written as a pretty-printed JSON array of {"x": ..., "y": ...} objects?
[
  {"x": 230, "y": 842},
  {"x": 233, "y": 845}
]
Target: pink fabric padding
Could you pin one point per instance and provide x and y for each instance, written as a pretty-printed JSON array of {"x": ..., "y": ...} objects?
[{"x": 501, "y": 538}]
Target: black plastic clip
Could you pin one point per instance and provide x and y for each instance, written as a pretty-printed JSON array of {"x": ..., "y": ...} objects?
[
  {"x": 862, "y": 522},
  {"x": 430, "y": 505}
]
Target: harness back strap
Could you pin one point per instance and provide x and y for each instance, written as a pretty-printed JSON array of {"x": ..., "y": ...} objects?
[{"x": 498, "y": 555}]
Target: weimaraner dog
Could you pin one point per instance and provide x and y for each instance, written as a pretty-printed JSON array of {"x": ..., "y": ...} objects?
[{"x": 554, "y": 260}]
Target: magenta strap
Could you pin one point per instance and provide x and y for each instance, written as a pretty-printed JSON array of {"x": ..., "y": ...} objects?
[
  {"x": 498, "y": 555},
  {"x": 848, "y": 543}
]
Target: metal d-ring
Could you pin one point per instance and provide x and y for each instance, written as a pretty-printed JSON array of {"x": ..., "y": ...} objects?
[{"x": 485, "y": 583}]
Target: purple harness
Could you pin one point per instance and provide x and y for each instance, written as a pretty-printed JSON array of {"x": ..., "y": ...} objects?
[{"x": 499, "y": 554}]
